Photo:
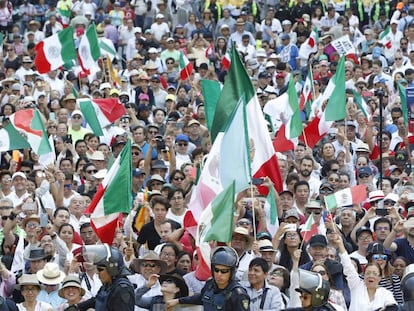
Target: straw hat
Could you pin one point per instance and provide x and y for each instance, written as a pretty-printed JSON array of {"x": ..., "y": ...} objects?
[
  {"x": 71, "y": 281},
  {"x": 50, "y": 274},
  {"x": 28, "y": 279},
  {"x": 150, "y": 256}
]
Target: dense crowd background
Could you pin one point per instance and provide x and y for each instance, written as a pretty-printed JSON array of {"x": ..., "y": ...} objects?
[{"x": 361, "y": 249}]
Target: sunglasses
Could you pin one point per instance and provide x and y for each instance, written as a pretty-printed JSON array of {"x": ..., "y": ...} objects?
[
  {"x": 51, "y": 126},
  {"x": 325, "y": 191},
  {"x": 11, "y": 217},
  {"x": 26, "y": 171},
  {"x": 31, "y": 225},
  {"x": 388, "y": 202},
  {"x": 92, "y": 171},
  {"x": 135, "y": 153},
  {"x": 222, "y": 271},
  {"x": 149, "y": 265},
  {"x": 379, "y": 256},
  {"x": 76, "y": 117},
  {"x": 363, "y": 176},
  {"x": 182, "y": 144},
  {"x": 178, "y": 178}
]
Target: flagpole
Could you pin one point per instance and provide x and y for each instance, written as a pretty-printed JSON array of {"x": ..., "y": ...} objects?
[
  {"x": 253, "y": 210},
  {"x": 304, "y": 137}
]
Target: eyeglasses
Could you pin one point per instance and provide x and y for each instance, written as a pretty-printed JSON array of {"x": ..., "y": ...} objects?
[
  {"x": 149, "y": 265},
  {"x": 178, "y": 178},
  {"x": 76, "y": 117},
  {"x": 379, "y": 256},
  {"x": 135, "y": 153},
  {"x": 11, "y": 217},
  {"x": 31, "y": 225},
  {"x": 321, "y": 272},
  {"x": 168, "y": 255},
  {"x": 222, "y": 271},
  {"x": 92, "y": 171},
  {"x": 365, "y": 238},
  {"x": 291, "y": 235},
  {"x": 100, "y": 269},
  {"x": 67, "y": 186},
  {"x": 382, "y": 228},
  {"x": 182, "y": 144}
]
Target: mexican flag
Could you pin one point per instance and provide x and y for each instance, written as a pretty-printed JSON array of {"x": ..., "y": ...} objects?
[
  {"x": 270, "y": 209},
  {"x": 211, "y": 93},
  {"x": 88, "y": 50},
  {"x": 26, "y": 125},
  {"x": 55, "y": 51},
  {"x": 305, "y": 100},
  {"x": 310, "y": 45},
  {"x": 346, "y": 197},
  {"x": 403, "y": 97},
  {"x": 309, "y": 229},
  {"x": 335, "y": 94},
  {"x": 110, "y": 201},
  {"x": 288, "y": 104},
  {"x": 226, "y": 61},
  {"x": 215, "y": 224},
  {"x": 281, "y": 143},
  {"x": 362, "y": 105},
  {"x": 100, "y": 113},
  {"x": 107, "y": 48},
  {"x": 315, "y": 130},
  {"x": 185, "y": 67},
  {"x": 385, "y": 38}
]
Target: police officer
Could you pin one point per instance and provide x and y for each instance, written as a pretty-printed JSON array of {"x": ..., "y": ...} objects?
[
  {"x": 222, "y": 292},
  {"x": 314, "y": 292},
  {"x": 117, "y": 292},
  {"x": 407, "y": 285}
]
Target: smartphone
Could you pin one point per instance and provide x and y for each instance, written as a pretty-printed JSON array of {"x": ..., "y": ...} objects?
[
  {"x": 52, "y": 116},
  {"x": 44, "y": 219},
  {"x": 67, "y": 139},
  {"x": 290, "y": 227},
  {"x": 381, "y": 212},
  {"x": 257, "y": 181},
  {"x": 407, "y": 168}
]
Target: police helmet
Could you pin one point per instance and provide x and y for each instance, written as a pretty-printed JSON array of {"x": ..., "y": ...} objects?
[
  {"x": 106, "y": 256},
  {"x": 313, "y": 283},
  {"x": 407, "y": 283}
]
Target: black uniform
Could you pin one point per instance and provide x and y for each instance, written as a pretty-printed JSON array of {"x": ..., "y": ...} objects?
[
  {"x": 119, "y": 295},
  {"x": 233, "y": 297}
]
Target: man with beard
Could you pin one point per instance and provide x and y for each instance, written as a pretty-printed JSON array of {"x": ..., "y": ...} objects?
[
  {"x": 402, "y": 246},
  {"x": 305, "y": 170}
]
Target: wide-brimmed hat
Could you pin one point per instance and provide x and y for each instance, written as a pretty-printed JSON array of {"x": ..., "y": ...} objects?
[
  {"x": 150, "y": 256},
  {"x": 71, "y": 281},
  {"x": 243, "y": 231},
  {"x": 27, "y": 279},
  {"x": 179, "y": 282},
  {"x": 50, "y": 274},
  {"x": 32, "y": 217},
  {"x": 36, "y": 253}
]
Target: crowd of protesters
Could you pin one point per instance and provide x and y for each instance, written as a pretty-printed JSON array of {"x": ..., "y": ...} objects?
[{"x": 361, "y": 250}]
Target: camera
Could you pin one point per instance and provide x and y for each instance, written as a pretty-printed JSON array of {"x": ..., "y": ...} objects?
[
  {"x": 67, "y": 139},
  {"x": 379, "y": 92},
  {"x": 381, "y": 212},
  {"x": 160, "y": 142}
]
